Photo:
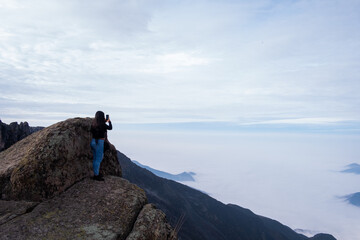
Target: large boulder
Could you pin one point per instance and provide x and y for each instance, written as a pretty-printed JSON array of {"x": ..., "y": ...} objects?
[
  {"x": 47, "y": 193},
  {"x": 114, "y": 209},
  {"x": 49, "y": 161}
]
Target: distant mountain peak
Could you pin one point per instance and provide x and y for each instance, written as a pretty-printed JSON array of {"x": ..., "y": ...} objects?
[
  {"x": 181, "y": 177},
  {"x": 353, "y": 199},
  {"x": 352, "y": 168},
  {"x": 205, "y": 217}
]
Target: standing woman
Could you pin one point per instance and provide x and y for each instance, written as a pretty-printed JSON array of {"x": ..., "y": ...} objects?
[{"x": 98, "y": 130}]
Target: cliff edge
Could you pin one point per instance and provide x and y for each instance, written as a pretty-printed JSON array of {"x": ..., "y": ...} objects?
[
  {"x": 49, "y": 161},
  {"x": 46, "y": 191}
]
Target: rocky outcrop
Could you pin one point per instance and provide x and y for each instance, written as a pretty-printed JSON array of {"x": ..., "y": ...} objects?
[
  {"x": 104, "y": 210},
  {"x": 51, "y": 160},
  {"x": 10, "y": 134},
  {"x": 150, "y": 225},
  {"x": 47, "y": 192}
]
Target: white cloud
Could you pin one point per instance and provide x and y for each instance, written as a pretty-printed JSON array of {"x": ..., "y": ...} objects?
[
  {"x": 320, "y": 121},
  {"x": 233, "y": 61},
  {"x": 181, "y": 59},
  {"x": 173, "y": 62},
  {"x": 9, "y": 4}
]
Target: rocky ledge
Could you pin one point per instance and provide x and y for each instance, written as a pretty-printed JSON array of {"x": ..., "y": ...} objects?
[
  {"x": 47, "y": 192},
  {"x": 114, "y": 209}
]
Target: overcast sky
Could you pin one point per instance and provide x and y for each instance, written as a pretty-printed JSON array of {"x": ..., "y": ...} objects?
[
  {"x": 243, "y": 62},
  {"x": 194, "y": 64}
]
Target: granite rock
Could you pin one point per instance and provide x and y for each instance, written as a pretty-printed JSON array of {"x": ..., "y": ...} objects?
[
  {"x": 91, "y": 210},
  {"x": 13, "y": 209},
  {"x": 49, "y": 161},
  {"x": 47, "y": 191},
  {"x": 151, "y": 224}
]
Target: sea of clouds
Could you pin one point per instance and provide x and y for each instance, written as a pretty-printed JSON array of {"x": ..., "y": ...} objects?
[{"x": 293, "y": 178}]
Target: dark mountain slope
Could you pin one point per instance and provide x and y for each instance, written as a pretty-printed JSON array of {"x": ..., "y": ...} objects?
[
  {"x": 184, "y": 176},
  {"x": 205, "y": 217}
]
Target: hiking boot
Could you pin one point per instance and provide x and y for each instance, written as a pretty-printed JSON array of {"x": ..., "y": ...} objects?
[{"x": 98, "y": 178}]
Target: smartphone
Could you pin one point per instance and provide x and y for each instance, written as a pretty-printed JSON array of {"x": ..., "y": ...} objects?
[{"x": 107, "y": 117}]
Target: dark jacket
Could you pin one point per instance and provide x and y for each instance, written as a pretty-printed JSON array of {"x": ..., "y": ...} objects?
[{"x": 100, "y": 131}]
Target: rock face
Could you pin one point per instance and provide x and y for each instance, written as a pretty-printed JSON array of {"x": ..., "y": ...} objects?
[
  {"x": 150, "y": 225},
  {"x": 46, "y": 191},
  {"x": 51, "y": 160},
  {"x": 10, "y": 134},
  {"x": 104, "y": 210}
]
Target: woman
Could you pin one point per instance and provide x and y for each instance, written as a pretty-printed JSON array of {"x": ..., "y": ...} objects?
[{"x": 98, "y": 130}]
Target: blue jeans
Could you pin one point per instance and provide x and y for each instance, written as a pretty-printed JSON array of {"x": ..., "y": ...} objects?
[{"x": 98, "y": 152}]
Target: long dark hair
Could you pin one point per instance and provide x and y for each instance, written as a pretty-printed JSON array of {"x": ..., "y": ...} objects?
[{"x": 99, "y": 119}]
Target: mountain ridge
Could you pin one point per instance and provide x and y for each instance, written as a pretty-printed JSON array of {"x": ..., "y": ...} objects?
[
  {"x": 46, "y": 191},
  {"x": 181, "y": 177},
  {"x": 206, "y": 217}
]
